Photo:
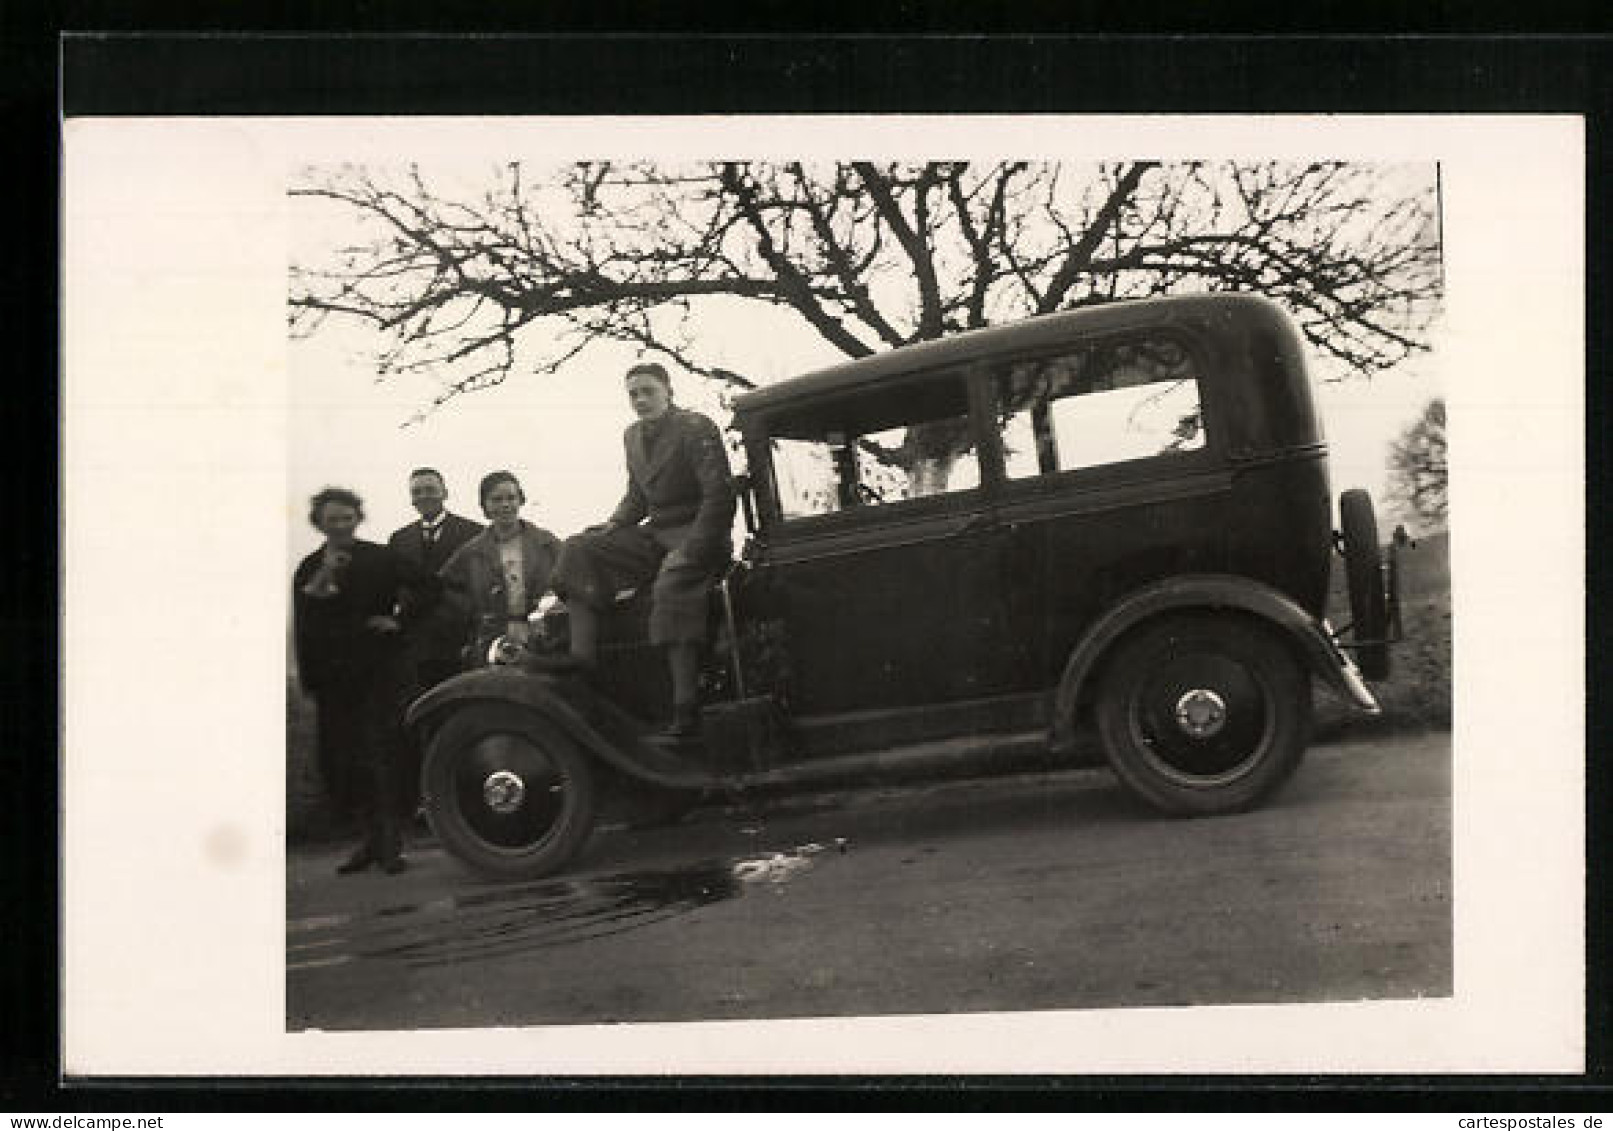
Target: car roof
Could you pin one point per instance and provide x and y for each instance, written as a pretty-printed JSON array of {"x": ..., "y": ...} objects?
[{"x": 1028, "y": 334}]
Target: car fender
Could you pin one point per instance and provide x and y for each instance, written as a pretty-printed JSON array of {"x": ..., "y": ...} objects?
[
  {"x": 1213, "y": 592},
  {"x": 542, "y": 695}
]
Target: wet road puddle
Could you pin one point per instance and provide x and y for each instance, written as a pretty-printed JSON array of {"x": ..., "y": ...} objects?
[{"x": 510, "y": 919}]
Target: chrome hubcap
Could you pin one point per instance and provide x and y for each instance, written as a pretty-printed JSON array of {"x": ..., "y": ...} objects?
[
  {"x": 503, "y": 791},
  {"x": 1201, "y": 713}
]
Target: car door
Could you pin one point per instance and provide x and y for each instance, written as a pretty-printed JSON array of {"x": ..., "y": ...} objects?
[
  {"x": 1111, "y": 478},
  {"x": 884, "y": 562}
]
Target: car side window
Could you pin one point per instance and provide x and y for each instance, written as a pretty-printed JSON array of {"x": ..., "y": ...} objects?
[
  {"x": 805, "y": 473},
  {"x": 887, "y": 445},
  {"x": 1098, "y": 405}
]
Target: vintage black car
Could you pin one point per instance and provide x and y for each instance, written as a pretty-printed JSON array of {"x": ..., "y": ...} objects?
[{"x": 1116, "y": 517}]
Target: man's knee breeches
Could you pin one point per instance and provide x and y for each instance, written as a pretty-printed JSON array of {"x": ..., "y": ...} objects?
[{"x": 678, "y": 602}]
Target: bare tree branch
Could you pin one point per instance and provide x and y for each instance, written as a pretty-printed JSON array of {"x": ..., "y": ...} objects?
[
  {"x": 912, "y": 239},
  {"x": 792, "y": 281},
  {"x": 1078, "y": 259},
  {"x": 519, "y": 272}
]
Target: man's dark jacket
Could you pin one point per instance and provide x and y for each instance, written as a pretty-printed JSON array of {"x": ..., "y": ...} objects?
[
  {"x": 436, "y": 638},
  {"x": 680, "y": 481},
  {"x": 335, "y": 649},
  {"x": 410, "y": 541}
]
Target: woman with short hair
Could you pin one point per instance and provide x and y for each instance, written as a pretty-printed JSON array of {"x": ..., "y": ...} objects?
[
  {"x": 351, "y": 601},
  {"x": 497, "y": 578}
]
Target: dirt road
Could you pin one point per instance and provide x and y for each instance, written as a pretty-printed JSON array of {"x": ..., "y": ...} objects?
[{"x": 1036, "y": 891}]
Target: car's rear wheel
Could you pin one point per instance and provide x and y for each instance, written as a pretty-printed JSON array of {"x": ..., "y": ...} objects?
[
  {"x": 1363, "y": 571},
  {"x": 507, "y": 792},
  {"x": 1203, "y": 713}
]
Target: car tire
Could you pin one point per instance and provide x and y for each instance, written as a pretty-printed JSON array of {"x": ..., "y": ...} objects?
[
  {"x": 507, "y": 792},
  {"x": 1202, "y": 714},
  {"x": 1363, "y": 572}
]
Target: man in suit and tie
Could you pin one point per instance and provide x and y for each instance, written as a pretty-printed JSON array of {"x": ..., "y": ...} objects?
[
  {"x": 434, "y": 644},
  {"x": 433, "y": 540}
]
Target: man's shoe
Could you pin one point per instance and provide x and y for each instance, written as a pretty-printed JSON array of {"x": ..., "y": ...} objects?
[
  {"x": 394, "y": 865},
  {"x": 357, "y": 862}
]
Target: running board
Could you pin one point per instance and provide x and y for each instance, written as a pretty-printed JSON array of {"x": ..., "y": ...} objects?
[{"x": 982, "y": 751}]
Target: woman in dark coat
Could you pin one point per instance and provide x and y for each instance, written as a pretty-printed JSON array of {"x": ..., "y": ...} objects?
[
  {"x": 496, "y": 579},
  {"x": 670, "y": 529},
  {"x": 350, "y": 601}
]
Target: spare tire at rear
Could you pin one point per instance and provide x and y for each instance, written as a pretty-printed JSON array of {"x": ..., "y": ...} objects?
[{"x": 1363, "y": 571}]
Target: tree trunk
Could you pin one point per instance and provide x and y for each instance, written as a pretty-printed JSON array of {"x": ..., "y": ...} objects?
[{"x": 929, "y": 476}]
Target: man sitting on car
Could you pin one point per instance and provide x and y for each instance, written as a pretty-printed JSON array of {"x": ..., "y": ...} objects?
[{"x": 671, "y": 529}]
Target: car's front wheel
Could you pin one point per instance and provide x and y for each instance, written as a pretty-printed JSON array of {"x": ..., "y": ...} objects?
[
  {"x": 1203, "y": 713},
  {"x": 508, "y": 793}
]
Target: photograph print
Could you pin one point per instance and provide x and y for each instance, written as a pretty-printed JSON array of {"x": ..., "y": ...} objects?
[{"x": 771, "y": 589}]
